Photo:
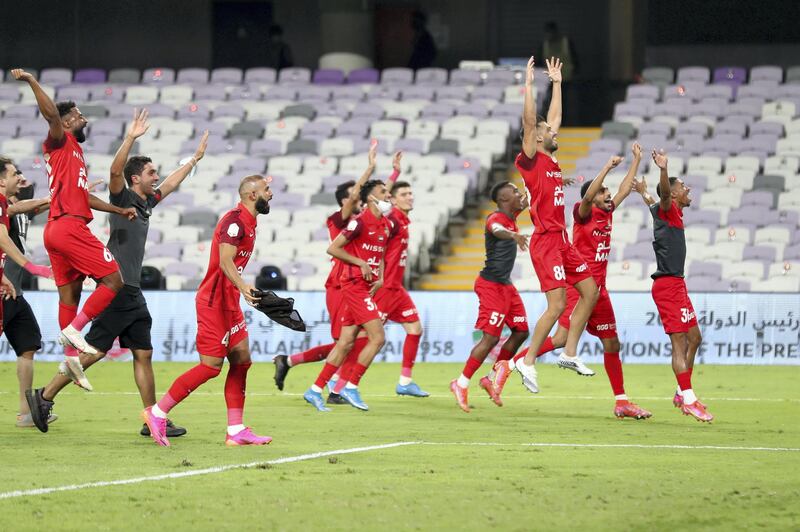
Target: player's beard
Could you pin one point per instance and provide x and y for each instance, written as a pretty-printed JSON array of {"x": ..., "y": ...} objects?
[
  {"x": 25, "y": 193},
  {"x": 262, "y": 206},
  {"x": 80, "y": 134}
]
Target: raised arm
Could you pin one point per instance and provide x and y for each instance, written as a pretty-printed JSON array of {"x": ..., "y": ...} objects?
[
  {"x": 47, "y": 107},
  {"x": 350, "y": 201},
  {"x": 398, "y": 156},
  {"x": 626, "y": 187},
  {"x": 137, "y": 128},
  {"x": 227, "y": 252},
  {"x": 336, "y": 250},
  {"x": 585, "y": 208},
  {"x": 665, "y": 196},
  {"x": 554, "y": 112},
  {"x": 97, "y": 204},
  {"x": 174, "y": 180},
  {"x": 641, "y": 188},
  {"x": 529, "y": 113},
  {"x": 33, "y": 206}
]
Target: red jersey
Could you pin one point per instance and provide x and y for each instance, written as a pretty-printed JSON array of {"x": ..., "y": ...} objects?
[
  {"x": 542, "y": 177},
  {"x": 366, "y": 239},
  {"x": 66, "y": 172},
  {"x": 335, "y": 224},
  {"x": 5, "y": 221},
  {"x": 592, "y": 238},
  {"x": 238, "y": 228},
  {"x": 396, "y": 249}
]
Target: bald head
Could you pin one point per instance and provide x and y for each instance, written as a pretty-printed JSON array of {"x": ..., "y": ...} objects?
[
  {"x": 254, "y": 193},
  {"x": 250, "y": 184}
]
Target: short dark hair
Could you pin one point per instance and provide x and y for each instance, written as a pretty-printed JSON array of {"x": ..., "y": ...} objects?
[
  {"x": 585, "y": 187},
  {"x": 134, "y": 166},
  {"x": 64, "y": 108},
  {"x": 366, "y": 190},
  {"x": 341, "y": 191},
  {"x": 672, "y": 181},
  {"x": 497, "y": 188},
  {"x": 400, "y": 184},
  {"x": 3, "y": 162}
]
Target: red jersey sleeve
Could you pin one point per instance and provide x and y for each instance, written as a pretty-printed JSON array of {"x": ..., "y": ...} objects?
[
  {"x": 498, "y": 219},
  {"x": 51, "y": 144},
  {"x": 336, "y": 220},
  {"x": 576, "y": 216},
  {"x": 353, "y": 229},
  {"x": 673, "y": 216},
  {"x": 231, "y": 230},
  {"x": 523, "y": 162},
  {"x": 394, "y": 227}
]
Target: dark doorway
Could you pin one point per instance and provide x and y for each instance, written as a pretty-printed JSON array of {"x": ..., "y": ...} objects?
[
  {"x": 241, "y": 33},
  {"x": 393, "y": 35}
]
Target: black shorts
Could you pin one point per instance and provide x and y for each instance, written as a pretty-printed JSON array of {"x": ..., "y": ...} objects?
[
  {"x": 126, "y": 318},
  {"x": 20, "y": 326}
]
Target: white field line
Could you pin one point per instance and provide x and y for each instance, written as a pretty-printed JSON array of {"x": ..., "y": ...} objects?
[
  {"x": 311, "y": 456},
  {"x": 537, "y": 397},
  {"x": 195, "y": 472}
]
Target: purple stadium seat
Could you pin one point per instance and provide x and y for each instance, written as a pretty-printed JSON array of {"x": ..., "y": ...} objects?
[
  {"x": 233, "y": 110},
  {"x": 219, "y": 129},
  {"x": 106, "y": 93},
  {"x": 759, "y": 198},
  {"x": 353, "y": 128},
  {"x": 363, "y": 75},
  {"x": 418, "y": 92},
  {"x": 397, "y": 76},
  {"x": 492, "y": 93},
  {"x": 761, "y": 142},
  {"x": 733, "y": 76},
  {"x": 655, "y": 128},
  {"x": 218, "y": 146},
  {"x": 689, "y": 90},
  {"x": 212, "y": 92},
  {"x": 693, "y": 73},
  {"x": 642, "y": 92},
  {"x": 440, "y": 110},
  {"x": 725, "y": 143},
  {"x": 696, "y": 182},
  {"x": 260, "y": 75},
  {"x": 723, "y": 92},
  {"x": 731, "y": 127},
  {"x": 410, "y": 145},
  {"x": 500, "y": 77},
  {"x": 766, "y": 73},
  {"x": 165, "y": 249},
  {"x": 313, "y": 94},
  {"x": 266, "y": 148},
  {"x": 192, "y": 110},
  {"x": 180, "y": 198},
  {"x": 431, "y": 76},
  {"x": 476, "y": 110},
  {"x": 107, "y": 126},
  {"x": 368, "y": 111},
  {"x": 248, "y": 165},
  {"x": 77, "y": 93},
  {"x": 709, "y": 107},
  {"x": 328, "y": 76},
  {"x": 188, "y": 269},
  {"x": 764, "y": 253},
  {"x": 9, "y": 93},
  {"x": 55, "y": 76},
  {"x": 750, "y": 108},
  {"x": 294, "y": 76},
  {"x": 227, "y": 75},
  {"x": 638, "y": 251},
  {"x": 8, "y": 129},
  {"x": 460, "y": 76},
  {"x": 765, "y": 92},
  {"x": 697, "y": 216},
  {"x": 288, "y": 199},
  {"x": 333, "y": 109},
  {"x": 451, "y": 93},
  {"x": 710, "y": 269},
  {"x": 27, "y": 111},
  {"x": 190, "y": 76},
  {"x": 162, "y": 76},
  {"x": 702, "y": 282},
  {"x": 635, "y": 108},
  {"x": 279, "y": 92},
  {"x": 384, "y": 92},
  {"x": 90, "y": 75},
  {"x": 317, "y": 130},
  {"x": 347, "y": 93},
  {"x": 649, "y": 142},
  {"x": 767, "y": 128}
]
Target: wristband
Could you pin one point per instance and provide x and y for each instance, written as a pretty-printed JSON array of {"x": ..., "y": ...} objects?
[{"x": 394, "y": 176}]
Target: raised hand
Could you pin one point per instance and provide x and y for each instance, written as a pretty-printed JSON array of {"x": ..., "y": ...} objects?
[
  {"x": 396, "y": 161},
  {"x": 373, "y": 153},
  {"x": 640, "y": 186},
  {"x": 554, "y": 69},
  {"x": 529, "y": 72},
  {"x": 21, "y": 75},
  {"x": 7, "y": 289},
  {"x": 636, "y": 149},
  {"x": 139, "y": 125},
  {"x": 614, "y": 161},
  {"x": 660, "y": 158},
  {"x": 201, "y": 148},
  {"x": 521, "y": 240},
  {"x": 568, "y": 181}
]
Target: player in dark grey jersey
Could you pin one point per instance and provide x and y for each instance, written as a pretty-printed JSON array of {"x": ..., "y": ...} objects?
[
  {"x": 499, "y": 302},
  {"x": 127, "y": 317}
]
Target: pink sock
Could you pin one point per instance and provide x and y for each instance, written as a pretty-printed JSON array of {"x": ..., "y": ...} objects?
[
  {"x": 96, "y": 304},
  {"x": 410, "y": 348}
]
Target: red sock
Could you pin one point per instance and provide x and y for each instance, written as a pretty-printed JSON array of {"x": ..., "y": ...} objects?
[
  {"x": 315, "y": 354},
  {"x": 613, "y": 366},
  {"x": 186, "y": 384},
  {"x": 547, "y": 346},
  {"x": 347, "y": 367},
  {"x": 684, "y": 380},
  {"x": 325, "y": 375},
  {"x": 471, "y": 367},
  {"x": 96, "y": 304},
  {"x": 504, "y": 354},
  {"x": 521, "y": 354},
  {"x": 67, "y": 313},
  {"x": 690, "y": 371},
  {"x": 410, "y": 348},
  {"x": 356, "y": 374},
  {"x": 235, "y": 385}
]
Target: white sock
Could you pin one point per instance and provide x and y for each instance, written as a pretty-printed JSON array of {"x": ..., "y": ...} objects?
[
  {"x": 462, "y": 381},
  {"x": 621, "y": 397},
  {"x": 289, "y": 362},
  {"x": 351, "y": 386},
  {"x": 679, "y": 391},
  {"x": 689, "y": 397},
  {"x": 315, "y": 388},
  {"x": 158, "y": 412},
  {"x": 233, "y": 430},
  {"x": 405, "y": 381}
]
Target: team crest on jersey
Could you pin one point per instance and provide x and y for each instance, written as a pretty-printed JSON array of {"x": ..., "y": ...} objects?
[
  {"x": 352, "y": 224},
  {"x": 233, "y": 230}
]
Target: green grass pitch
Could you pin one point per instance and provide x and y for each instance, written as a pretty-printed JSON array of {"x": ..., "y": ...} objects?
[{"x": 460, "y": 472}]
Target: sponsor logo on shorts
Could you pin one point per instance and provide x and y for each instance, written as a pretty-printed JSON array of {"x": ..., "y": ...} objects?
[
  {"x": 519, "y": 319},
  {"x": 686, "y": 316},
  {"x": 606, "y": 327},
  {"x": 582, "y": 268},
  {"x": 409, "y": 312},
  {"x": 241, "y": 326}
]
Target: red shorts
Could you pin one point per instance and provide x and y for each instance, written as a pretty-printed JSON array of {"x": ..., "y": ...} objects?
[
  {"x": 602, "y": 322},
  {"x": 556, "y": 261},
  {"x": 333, "y": 300},
  {"x": 75, "y": 253},
  {"x": 218, "y": 330},
  {"x": 358, "y": 307},
  {"x": 673, "y": 303},
  {"x": 396, "y": 305},
  {"x": 498, "y": 305}
]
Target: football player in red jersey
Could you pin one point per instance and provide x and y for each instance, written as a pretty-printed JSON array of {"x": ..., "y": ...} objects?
[
  {"x": 348, "y": 197},
  {"x": 360, "y": 247},
  {"x": 393, "y": 299},
  {"x": 75, "y": 252},
  {"x": 221, "y": 328},
  {"x": 556, "y": 261},
  {"x": 591, "y": 234},
  {"x": 669, "y": 285}
]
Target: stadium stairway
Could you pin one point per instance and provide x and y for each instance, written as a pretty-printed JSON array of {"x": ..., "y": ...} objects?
[{"x": 457, "y": 268}]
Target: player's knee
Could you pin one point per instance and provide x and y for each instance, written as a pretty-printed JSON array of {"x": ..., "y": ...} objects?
[
  {"x": 142, "y": 355},
  {"x": 489, "y": 341},
  {"x": 611, "y": 345},
  {"x": 377, "y": 337},
  {"x": 415, "y": 328},
  {"x": 555, "y": 309},
  {"x": 694, "y": 337},
  {"x": 520, "y": 336}
]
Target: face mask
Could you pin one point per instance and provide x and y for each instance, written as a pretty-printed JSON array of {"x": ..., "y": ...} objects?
[
  {"x": 25, "y": 193},
  {"x": 262, "y": 206},
  {"x": 383, "y": 206}
]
